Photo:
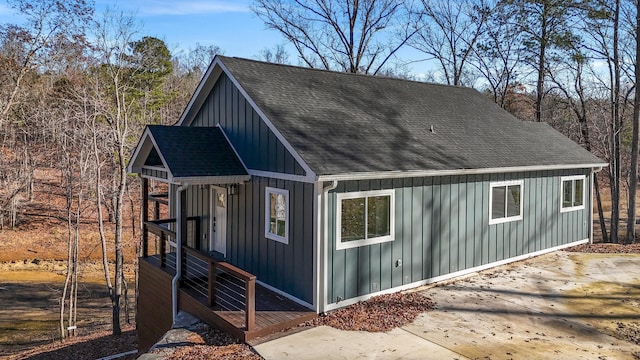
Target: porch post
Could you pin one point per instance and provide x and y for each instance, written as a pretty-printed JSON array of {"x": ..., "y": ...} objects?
[
  {"x": 145, "y": 216},
  {"x": 183, "y": 228}
]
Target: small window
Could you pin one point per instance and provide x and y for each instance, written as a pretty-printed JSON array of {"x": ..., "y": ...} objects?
[
  {"x": 364, "y": 218},
  {"x": 572, "y": 193},
  {"x": 277, "y": 215},
  {"x": 505, "y": 202}
]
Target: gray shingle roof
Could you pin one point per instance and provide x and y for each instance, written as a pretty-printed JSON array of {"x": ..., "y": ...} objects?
[
  {"x": 346, "y": 123},
  {"x": 194, "y": 152}
]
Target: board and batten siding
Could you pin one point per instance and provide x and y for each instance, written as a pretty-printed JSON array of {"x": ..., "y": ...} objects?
[
  {"x": 442, "y": 226},
  {"x": 288, "y": 267},
  {"x": 197, "y": 205},
  {"x": 256, "y": 144}
]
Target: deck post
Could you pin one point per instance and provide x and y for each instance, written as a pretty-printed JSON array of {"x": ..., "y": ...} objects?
[
  {"x": 212, "y": 283},
  {"x": 183, "y": 233},
  {"x": 145, "y": 217},
  {"x": 250, "y": 303},
  {"x": 163, "y": 249}
]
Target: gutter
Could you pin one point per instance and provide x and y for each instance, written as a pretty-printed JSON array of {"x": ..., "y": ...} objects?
[
  {"x": 324, "y": 247},
  {"x": 176, "y": 278}
]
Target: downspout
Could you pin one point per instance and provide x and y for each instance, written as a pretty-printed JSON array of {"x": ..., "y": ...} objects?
[
  {"x": 176, "y": 278},
  {"x": 324, "y": 247}
]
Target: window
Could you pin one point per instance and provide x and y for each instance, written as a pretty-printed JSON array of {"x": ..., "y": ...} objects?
[
  {"x": 277, "y": 214},
  {"x": 572, "y": 193},
  {"x": 505, "y": 201},
  {"x": 364, "y": 218}
]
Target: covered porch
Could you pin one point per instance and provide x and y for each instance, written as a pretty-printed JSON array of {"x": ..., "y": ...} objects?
[{"x": 183, "y": 264}]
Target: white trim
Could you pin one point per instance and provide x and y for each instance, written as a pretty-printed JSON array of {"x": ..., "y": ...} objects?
[
  {"x": 287, "y": 295},
  {"x": 267, "y": 215},
  {"x": 215, "y": 180},
  {"x": 506, "y": 218},
  {"x": 154, "y": 178},
  {"x": 283, "y": 176},
  {"x": 573, "y": 200},
  {"x": 315, "y": 247},
  {"x": 188, "y": 115},
  {"x": 307, "y": 170},
  {"x": 340, "y": 245},
  {"x": 456, "y": 274},
  {"x": 423, "y": 173},
  {"x": 157, "y": 168},
  {"x": 196, "y": 94},
  {"x": 146, "y": 135}
]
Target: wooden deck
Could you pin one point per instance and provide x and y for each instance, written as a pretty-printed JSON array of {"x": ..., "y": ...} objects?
[{"x": 272, "y": 312}]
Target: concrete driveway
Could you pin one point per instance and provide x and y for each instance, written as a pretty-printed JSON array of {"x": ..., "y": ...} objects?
[{"x": 556, "y": 306}]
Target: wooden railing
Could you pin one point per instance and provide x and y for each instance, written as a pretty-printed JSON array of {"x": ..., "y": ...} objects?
[
  {"x": 165, "y": 234},
  {"x": 223, "y": 284}
]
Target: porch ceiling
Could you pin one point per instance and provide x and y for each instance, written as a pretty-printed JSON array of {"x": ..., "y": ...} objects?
[{"x": 194, "y": 155}]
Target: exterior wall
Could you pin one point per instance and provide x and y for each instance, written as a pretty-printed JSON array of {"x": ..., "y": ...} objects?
[
  {"x": 197, "y": 205},
  {"x": 442, "y": 226},
  {"x": 255, "y": 143},
  {"x": 288, "y": 267}
]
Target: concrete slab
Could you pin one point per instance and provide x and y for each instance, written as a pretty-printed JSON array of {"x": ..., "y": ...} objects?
[
  {"x": 332, "y": 344},
  {"x": 560, "y": 305}
]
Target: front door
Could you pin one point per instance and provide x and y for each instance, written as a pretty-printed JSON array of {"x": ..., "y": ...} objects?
[{"x": 218, "y": 226}]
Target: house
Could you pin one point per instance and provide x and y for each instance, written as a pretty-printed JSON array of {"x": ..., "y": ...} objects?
[{"x": 327, "y": 188}]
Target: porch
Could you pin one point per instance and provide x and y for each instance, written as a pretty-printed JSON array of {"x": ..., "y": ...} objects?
[{"x": 220, "y": 294}]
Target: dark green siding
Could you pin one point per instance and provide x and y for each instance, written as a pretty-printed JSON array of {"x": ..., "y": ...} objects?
[
  {"x": 288, "y": 267},
  {"x": 256, "y": 144},
  {"x": 442, "y": 226}
]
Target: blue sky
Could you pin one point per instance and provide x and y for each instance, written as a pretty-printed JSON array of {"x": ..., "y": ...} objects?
[{"x": 182, "y": 24}]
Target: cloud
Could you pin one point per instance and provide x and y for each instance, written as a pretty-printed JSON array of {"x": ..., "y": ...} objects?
[{"x": 191, "y": 7}]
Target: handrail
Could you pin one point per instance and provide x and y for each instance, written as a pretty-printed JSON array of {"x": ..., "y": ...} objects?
[{"x": 248, "y": 279}]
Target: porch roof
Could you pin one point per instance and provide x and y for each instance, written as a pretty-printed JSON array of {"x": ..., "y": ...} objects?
[{"x": 194, "y": 155}]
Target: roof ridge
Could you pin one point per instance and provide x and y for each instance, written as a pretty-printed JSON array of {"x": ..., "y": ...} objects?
[{"x": 348, "y": 73}]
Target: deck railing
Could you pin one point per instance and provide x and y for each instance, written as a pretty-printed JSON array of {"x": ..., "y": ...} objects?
[
  {"x": 222, "y": 284},
  {"x": 226, "y": 287},
  {"x": 165, "y": 242}
]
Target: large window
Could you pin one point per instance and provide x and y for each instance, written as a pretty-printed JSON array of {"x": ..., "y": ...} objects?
[
  {"x": 277, "y": 214},
  {"x": 505, "y": 201},
  {"x": 364, "y": 218},
  {"x": 572, "y": 193}
]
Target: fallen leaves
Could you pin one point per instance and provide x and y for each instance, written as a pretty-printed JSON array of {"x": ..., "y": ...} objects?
[
  {"x": 378, "y": 314},
  {"x": 602, "y": 248}
]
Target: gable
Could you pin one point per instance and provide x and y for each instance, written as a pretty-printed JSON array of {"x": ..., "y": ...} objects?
[{"x": 187, "y": 155}]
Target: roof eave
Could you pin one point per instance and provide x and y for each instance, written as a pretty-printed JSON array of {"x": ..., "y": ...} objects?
[
  {"x": 423, "y": 173},
  {"x": 211, "y": 180}
]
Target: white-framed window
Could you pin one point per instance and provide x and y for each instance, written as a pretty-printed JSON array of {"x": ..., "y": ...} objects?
[
  {"x": 572, "y": 192},
  {"x": 277, "y": 214},
  {"x": 505, "y": 201},
  {"x": 364, "y": 218}
]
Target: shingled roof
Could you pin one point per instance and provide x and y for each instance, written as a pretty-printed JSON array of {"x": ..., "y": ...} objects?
[
  {"x": 190, "y": 153},
  {"x": 341, "y": 123}
]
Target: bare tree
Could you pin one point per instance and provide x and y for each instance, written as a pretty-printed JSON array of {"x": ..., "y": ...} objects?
[
  {"x": 49, "y": 23},
  {"x": 277, "y": 55},
  {"x": 354, "y": 36},
  {"x": 633, "y": 171},
  {"x": 114, "y": 98},
  {"x": 449, "y": 32},
  {"x": 497, "y": 55}
]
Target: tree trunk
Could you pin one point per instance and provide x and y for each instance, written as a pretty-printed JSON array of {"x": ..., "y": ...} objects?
[{"x": 633, "y": 171}]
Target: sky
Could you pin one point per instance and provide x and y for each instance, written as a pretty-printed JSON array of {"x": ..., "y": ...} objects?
[{"x": 181, "y": 24}]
